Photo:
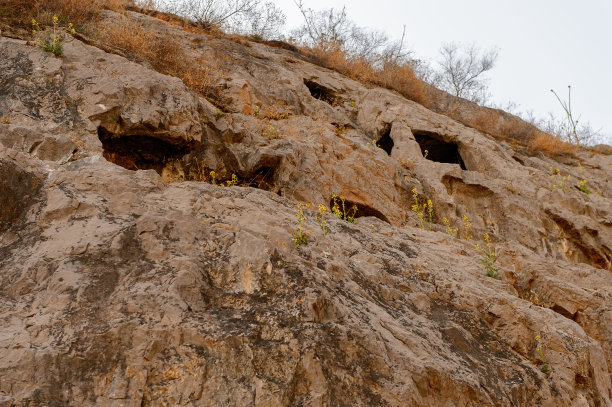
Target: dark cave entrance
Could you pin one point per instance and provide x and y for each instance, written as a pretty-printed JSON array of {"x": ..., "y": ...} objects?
[
  {"x": 384, "y": 139},
  {"x": 362, "y": 210},
  {"x": 321, "y": 92},
  {"x": 439, "y": 150},
  {"x": 139, "y": 152},
  {"x": 262, "y": 178}
]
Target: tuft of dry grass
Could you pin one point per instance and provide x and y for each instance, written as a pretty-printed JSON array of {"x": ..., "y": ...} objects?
[
  {"x": 398, "y": 77},
  {"x": 551, "y": 145},
  {"x": 79, "y": 12},
  {"x": 494, "y": 123},
  {"x": 164, "y": 54},
  {"x": 402, "y": 79},
  {"x": 520, "y": 133},
  {"x": 131, "y": 38}
]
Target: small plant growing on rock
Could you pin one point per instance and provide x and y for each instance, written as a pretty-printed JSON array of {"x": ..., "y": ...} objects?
[
  {"x": 449, "y": 230},
  {"x": 416, "y": 208},
  {"x": 467, "y": 228},
  {"x": 430, "y": 212},
  {"x": 272, "y": 114},
  {"x": 559, "y": 180},
  {"x": 533, "y": 298},
  {"x": 584, "y": 187},
  {"x": 408, "y": 164},
  {"x": 488, "y": 257},
  {"x": 340, "y": 129},
  {"x": 321, "y": 218},
  {"x": 78, "y": 141},
  {"x": 5, "y": 120},
  {"x": 511, "y": 188},
  {"x": 540, "y": 349},
  {"x": 198, "y": 172},
  {"x": 213, "y": 178},
  {"x": 270, "y": 132},
  {"x": 339, "y": 209},
  {"x": 232, "y": 182},
  {"x": 300, "y": 236},
  {"x": 52, "y": 40}
]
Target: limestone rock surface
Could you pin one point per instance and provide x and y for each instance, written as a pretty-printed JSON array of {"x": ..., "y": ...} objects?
[{"x": 130, "y": 277}]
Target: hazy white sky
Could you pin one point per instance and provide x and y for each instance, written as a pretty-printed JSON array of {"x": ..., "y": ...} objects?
[{"x": 543, "y": 44}]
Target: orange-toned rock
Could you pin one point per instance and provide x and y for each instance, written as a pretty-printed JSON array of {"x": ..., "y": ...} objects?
[{"x": 120, "y": 288}]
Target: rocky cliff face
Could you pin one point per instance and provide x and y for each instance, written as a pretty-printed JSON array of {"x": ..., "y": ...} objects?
[{"x": 129, "y": 276}]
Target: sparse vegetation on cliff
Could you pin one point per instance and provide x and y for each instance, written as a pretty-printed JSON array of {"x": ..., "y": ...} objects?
[
  {"x": 488, "y": 257},
  {"x": 339, "y": 208},
  {"x": 301, "y": 233},
  {"x": 540, "y": 350},
  {"x": 231, "y": 290},
  {"x": 52, "y": 39},
  {"x": 329, "y": 37}
]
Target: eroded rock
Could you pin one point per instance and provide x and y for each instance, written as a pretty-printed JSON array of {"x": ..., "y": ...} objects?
[{"x": 119, "y": 288}]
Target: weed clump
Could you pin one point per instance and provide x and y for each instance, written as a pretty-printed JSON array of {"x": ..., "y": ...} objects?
[
  {"x": 559, "y": 180},
  {"x": 467, "y": 228},
  {"x": 449, "y": 230},
  {"x": 270, "y": 132},
  {"x": 488, "y": 257},
  {"x": 540, "y": 350},
  {"x": 52, "y": 40},
  {"x": 533, "y": 298},
  {"x": 551, "y": 145},
  {"x": 416, "y": 208},
  {"x": 421, "y": 211},
  {"x": 584, "y": 187},
  {"x": 301, "y": 234},
  {"x": 321, "y": 218},
  {"x": 340, "y": 210}
]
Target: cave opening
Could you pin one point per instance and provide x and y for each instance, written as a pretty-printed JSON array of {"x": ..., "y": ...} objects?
[
  {"x": 362, "y": 209},
  {"x": 439, "y": 150},
  {"x": 140, "y": 152},
  {"x": 262, "y": 178},
  {"x": 321, "y": 92},
  {"x": 384, "y": 140}
]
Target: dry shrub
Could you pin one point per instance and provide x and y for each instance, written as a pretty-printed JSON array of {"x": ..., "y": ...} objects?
[
  {"x": 486, "y": 121},
  {"x": 167, "y": 56},
  {"x": 402, "y": 79},
  {"x": 494, "y": 123},
  {"x": 130, "y": 38},
  {"x": 133, "y": 39},
  {"x": 21, "y": 12},
  {"x": 520, "y": 133},
  {"x": 398, "y": 77},
  {"x": 164, "y": 54},
  {"x": 551, "y": 145}
]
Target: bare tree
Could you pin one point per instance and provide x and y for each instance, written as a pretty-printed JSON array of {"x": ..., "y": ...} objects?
[
  {"x": 332, "y": 29},
  {"x": 215, "y": 13},
  {"x": 395, "y": 53},
  {"x": 462, "y": 69},
  {"x": 247, "y": 17},
  {"x": 365, "y": 43},
  {"x": 264, "y": 21},
  {"x": 326, "y": 29},
  {"x": 569, "y": 128}
]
